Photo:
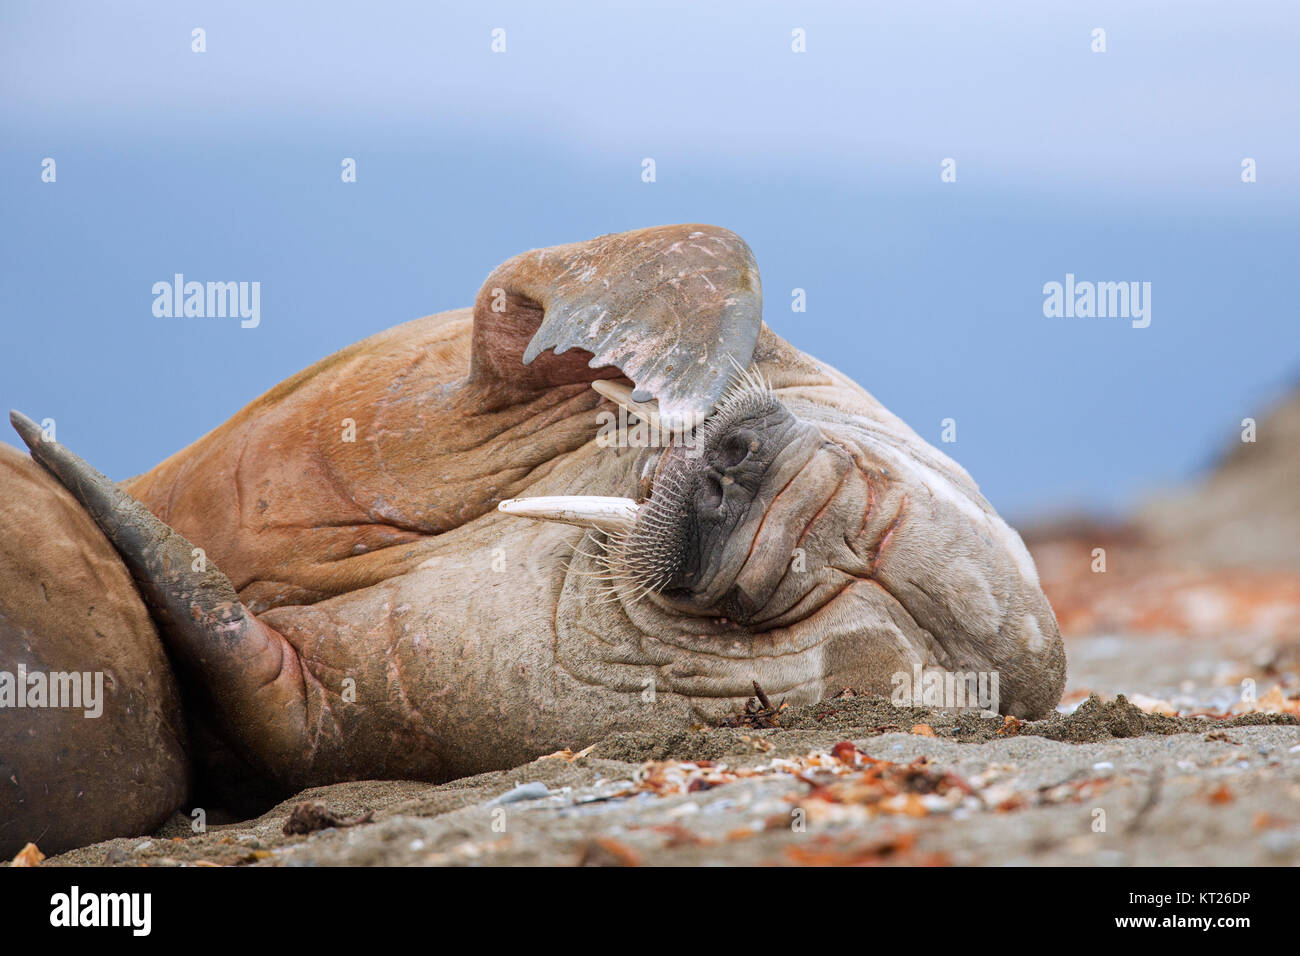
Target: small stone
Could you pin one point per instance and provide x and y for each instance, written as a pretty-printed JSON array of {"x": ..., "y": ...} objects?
[
  {"x": 522, "y": 791},
  {"x": 1281, "y": 842},
  {"x": 29, "y": 855}
]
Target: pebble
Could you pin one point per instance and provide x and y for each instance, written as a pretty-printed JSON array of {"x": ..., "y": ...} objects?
[
  {"x": 722, "y": 806},
  {"x": 1281, "y": 842},
  {"x": 522, "y": 791}
]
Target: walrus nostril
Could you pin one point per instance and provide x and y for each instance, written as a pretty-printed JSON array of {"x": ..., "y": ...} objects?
[
  {"x": 712, "y": 491},
  {"x": 736, "y": 448}
]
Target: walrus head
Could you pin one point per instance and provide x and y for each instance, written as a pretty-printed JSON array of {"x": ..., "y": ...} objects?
[{"x": 802, "y": 536}]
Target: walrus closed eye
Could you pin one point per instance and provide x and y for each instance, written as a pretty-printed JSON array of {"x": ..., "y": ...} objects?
[{"x": 375, "y": 608}]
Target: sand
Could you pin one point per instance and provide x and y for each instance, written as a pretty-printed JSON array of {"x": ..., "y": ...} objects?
[{"x": 1105, "y": 784}]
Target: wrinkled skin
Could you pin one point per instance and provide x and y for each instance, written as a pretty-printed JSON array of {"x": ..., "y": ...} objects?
[
  {"x": 382, "y": 619},
  {"x": 67, "y": 605}
]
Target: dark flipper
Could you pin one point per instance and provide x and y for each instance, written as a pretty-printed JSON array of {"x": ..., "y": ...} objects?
[
  {"x": 677, "y": 308},
  {"x": 251, "y": 674}
]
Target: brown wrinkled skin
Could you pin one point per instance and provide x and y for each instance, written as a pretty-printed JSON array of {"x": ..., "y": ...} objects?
[
  {"x": 293, "y": 514},
  {"x": 67, "y": 603}
]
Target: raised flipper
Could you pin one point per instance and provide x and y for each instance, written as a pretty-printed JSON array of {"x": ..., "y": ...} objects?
[
  {"x": 676, "y": 308},
  {"x": 257, "y": 688}
]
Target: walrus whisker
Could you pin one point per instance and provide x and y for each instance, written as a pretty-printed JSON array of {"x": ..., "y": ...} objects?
[
  {"x": 645, "y": 590},
  {"x": 605, "y": 570},
  {"x": 600, "y": 575},
  {"x": 751, "y": 380},
  {"x": 613, "y": 575},
  {"x": 595, "y": 556},
  {"x": 748, "y": 389}
]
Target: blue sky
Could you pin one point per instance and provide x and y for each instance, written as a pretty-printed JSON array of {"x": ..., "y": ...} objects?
[{"x": 1115, "y": 166}]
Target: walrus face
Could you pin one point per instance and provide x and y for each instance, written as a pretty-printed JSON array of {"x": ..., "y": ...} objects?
[
  {"x": 691, "y": 541},
  {"x": 809, "y": 548},
  {"x": 735, "y": 521}
]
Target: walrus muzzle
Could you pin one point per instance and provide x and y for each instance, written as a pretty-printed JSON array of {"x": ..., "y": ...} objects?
[{"x": 691, "y": 544}]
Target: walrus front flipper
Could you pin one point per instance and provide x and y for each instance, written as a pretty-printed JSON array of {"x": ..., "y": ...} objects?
[
  {"x": 676, "y": 308},
  {"x": 252, "y": 674}
]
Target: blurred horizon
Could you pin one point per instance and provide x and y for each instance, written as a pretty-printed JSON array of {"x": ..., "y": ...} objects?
[{"x": 1115, "y": 166}]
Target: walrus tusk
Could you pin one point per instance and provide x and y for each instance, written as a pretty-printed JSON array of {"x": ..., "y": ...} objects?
[
  {"x": 620, "y": 394},
  {"x": 586, "y": 511}
]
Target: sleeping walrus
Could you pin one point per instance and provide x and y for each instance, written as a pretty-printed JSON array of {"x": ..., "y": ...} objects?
[{"x": 342, "y": 576}]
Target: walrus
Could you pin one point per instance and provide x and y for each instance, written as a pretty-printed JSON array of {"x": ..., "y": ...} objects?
[
  {"x": 427, "y": 555},
  {"x": 93, "y": 742}
]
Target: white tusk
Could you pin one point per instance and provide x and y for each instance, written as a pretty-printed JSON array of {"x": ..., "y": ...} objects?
[
  {"x": 620, "y": 394},
  {"x": 586, "y": 511}
]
